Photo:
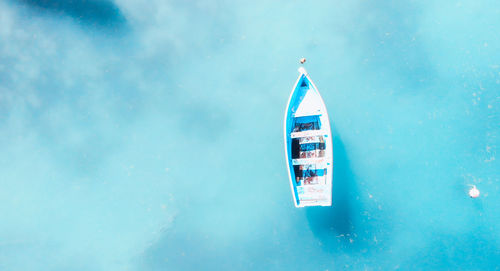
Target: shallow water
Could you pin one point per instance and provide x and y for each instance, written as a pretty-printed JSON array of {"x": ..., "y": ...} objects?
[{"x": 148, "y": 136}]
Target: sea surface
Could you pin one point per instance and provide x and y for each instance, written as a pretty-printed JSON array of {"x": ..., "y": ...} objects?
[{"x": 147, "y": 135}]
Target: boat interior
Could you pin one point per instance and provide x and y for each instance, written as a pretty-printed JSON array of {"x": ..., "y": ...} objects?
[{"x": 308, "y": 147}]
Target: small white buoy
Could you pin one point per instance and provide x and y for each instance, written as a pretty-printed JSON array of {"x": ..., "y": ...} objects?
[
  {"x": 303, "y": 60},
  {"x": 474, "y": 192}
]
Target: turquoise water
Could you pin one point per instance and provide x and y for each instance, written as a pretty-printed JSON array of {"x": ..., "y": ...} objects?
[{"x": 148, "y": 135}]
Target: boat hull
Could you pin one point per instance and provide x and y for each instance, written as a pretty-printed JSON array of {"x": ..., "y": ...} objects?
[{"x": 308, "y": 145}]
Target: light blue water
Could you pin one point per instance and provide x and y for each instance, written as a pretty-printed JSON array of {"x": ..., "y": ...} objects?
[{"x": 148, "y": 135}]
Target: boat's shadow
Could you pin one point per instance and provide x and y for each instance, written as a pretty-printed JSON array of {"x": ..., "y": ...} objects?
[{"x": 335, "y": 226}]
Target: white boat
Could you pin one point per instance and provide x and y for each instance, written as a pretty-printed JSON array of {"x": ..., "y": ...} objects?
[{"x": 308, "y": 145}]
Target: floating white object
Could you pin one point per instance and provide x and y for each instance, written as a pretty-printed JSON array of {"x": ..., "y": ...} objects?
[
  {"x": 474, "y": 192},
  {"x": 308, "y": 145}
]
